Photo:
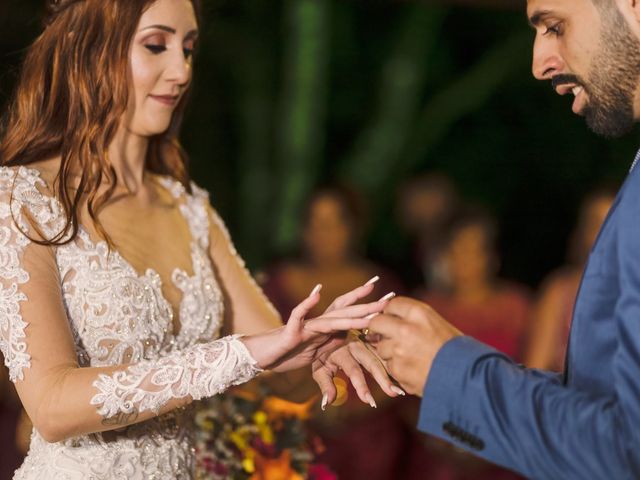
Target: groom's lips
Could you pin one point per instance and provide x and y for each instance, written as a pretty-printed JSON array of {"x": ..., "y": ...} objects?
[{"x": 563, "y": 87}]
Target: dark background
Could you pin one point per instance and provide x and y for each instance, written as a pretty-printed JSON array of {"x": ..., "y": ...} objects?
[{"x": 291, "y": 93}]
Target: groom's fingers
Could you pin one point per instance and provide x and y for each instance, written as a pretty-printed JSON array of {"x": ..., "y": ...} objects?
[
  {"x": 385, "y": 324},
  {"x": 385, "y": 350},
  {"x": 407, "y": 308}
]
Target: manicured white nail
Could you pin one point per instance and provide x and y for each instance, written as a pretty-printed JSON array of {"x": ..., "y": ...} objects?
[
  {"x": 325, "y": 400},
  {"x": 315, "y": 290},
  {"x": 372, "y": 281},
  {"x": 397, "y": 390},
  {"x": 371, "y": 401},
  {"x": 370, "y": 316},
  {"x": 388, "y": 296}
]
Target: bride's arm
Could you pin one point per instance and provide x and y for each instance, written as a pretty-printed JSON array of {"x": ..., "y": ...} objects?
[
  {"x": 249, "y": 311},
  {"x": 64, "y": 400}
]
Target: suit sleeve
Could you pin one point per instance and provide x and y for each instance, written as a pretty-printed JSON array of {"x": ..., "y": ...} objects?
[{"x": 527, "y": 420}]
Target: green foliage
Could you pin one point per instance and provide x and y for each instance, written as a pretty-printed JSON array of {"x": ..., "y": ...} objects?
[{"x": 291, "y": 92}]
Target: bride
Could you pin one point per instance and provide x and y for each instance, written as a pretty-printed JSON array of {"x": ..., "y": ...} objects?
[{"x": 116, "y": 274}]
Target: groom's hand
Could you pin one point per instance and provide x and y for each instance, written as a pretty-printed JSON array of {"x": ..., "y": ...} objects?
[{"x": 407, "y": 336}]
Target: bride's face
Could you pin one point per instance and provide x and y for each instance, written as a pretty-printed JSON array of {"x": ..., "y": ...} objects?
[{"x": 160, "y": 65}]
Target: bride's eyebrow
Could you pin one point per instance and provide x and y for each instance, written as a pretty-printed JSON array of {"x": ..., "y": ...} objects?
[
  {"x": 159, "y": 27},
  {"x": 192, "y": 34}
]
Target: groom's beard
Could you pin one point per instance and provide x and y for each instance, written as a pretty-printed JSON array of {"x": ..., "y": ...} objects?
[{"x": 613, "y": 78}]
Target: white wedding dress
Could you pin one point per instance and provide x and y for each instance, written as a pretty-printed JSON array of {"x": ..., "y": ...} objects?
[{"x": 117, "y": 317}]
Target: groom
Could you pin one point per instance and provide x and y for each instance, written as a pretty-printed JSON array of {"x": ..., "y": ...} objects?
[{"x": 584, "y": 424}]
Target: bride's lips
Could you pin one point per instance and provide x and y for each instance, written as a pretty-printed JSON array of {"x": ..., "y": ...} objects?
[{"x": 169, "y": 100}]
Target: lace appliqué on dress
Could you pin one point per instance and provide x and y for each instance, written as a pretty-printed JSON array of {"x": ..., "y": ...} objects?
[
  {"x": 20, "y": 199},
  {"x": 119, "y": 318},
  {"x": 201, "y": 371}
]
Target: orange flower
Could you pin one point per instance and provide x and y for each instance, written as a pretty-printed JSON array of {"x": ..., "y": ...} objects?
[
  {"x": 245, "y": 393},
  {"x": 275, "y": 468},
  {"x": 278, "y": 407}
]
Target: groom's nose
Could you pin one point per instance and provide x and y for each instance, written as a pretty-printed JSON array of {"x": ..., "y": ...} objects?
[{"x": 547, "y": 61}]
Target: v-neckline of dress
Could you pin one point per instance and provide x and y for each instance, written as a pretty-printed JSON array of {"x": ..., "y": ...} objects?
[{"x": 150, "y": 274}]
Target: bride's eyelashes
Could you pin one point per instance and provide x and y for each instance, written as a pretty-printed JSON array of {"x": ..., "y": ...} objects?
[{"x": 155, "y": 49}]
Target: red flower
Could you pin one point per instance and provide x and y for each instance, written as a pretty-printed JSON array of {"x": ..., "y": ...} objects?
[
  {"x": 319, "y": 471},
  {"x": 264, "y": 448}
]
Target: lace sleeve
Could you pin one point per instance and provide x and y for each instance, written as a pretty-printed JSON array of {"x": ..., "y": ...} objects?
[
  {"x": 20, "y": 206},
  {"x": 40, "y": 345},
  {"x": 200, "y": 371},
  {"x": 12, "y": 326}
]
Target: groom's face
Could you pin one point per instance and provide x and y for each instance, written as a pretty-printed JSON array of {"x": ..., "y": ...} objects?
[{"x": 590, "y": 49}]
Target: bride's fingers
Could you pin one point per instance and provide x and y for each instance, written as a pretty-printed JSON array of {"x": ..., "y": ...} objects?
[
  {"x": 334, "y": 325},
  {"x": 374, "y": 366},
  {"x": 354, "y": 295},
  {"x": 354, "y": 372},
  {"x": 360, "y": 310},
  {"x": 302, "y": 309},
  {"x": 323, "y": 376}
]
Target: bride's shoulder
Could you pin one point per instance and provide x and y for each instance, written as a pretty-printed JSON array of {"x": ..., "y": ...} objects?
[
  {"x": 27, "y": 198},
  {"x": 40, "y": 175},
  {"x": 178, "y": 190}
]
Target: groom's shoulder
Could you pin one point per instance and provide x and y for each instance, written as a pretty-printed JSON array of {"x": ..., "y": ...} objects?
[{"x": 626, "y": 206}]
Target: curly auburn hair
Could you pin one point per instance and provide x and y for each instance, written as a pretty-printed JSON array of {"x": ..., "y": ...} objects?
[{"x": 71, "y": 94}]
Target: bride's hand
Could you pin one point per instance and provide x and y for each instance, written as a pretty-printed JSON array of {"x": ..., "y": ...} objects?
[
  {"x": 301, "y": 341},
  {"x": 351, "y": 358}
]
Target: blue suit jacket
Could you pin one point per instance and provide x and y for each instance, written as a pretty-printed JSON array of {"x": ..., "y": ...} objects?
[{"x": 583, "y": 425}]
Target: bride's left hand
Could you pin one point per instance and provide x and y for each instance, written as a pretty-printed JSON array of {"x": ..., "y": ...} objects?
[{"x": 351, "y": 358}]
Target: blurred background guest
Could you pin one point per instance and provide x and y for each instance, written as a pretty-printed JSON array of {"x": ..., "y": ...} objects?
[
  {"x": 425, "y": 205},
  {"x": 331, "y": 253},
  {"x": 478, "y": 302},
  {"x": 483, "y": 306},
  {"x": 554, "y": 308}
]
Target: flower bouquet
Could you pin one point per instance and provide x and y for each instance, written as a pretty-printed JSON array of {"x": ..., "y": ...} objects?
[{"x": 247, "y": 435}]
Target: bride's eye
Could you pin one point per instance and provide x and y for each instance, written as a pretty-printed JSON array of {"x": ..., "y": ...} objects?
[{"x": 155, "y": 49}]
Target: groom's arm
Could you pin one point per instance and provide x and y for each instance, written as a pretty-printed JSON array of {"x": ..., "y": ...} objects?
[{"x": 526, "y": 420}]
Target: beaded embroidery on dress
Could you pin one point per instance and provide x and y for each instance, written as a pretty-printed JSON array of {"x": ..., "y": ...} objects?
[{"x": 118, "y": 317}]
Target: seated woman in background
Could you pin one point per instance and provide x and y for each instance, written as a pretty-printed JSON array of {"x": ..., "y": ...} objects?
[
  {"x": 554, "y": 308},
  {"x": 333, "y": 225},
  {"x": 478, "y": 302},
  {"x": 483, "y": 306}
]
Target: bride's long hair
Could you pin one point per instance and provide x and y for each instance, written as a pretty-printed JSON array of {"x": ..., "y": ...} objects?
[{"x": 70, "y": 97}]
